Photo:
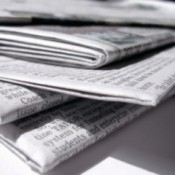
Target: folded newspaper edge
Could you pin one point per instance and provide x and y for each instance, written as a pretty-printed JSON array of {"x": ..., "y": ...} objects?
[
  {"x": 89, "y": 50},
  {"x": 145, "y": 82}
]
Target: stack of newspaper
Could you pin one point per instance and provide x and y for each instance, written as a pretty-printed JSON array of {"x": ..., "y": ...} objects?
[{"x": 121, "y": 72}]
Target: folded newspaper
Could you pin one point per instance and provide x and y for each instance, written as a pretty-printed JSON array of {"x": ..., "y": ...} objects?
[
  {"x": 90, "y": 49},
  {"x": 142, "y": 12},
  {"x": 144, "y": 82},
  {"x": 45, "y": 140}
]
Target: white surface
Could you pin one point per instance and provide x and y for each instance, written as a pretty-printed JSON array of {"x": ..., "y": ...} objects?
[
  {"x": 145, "y": 147},
  {"x": 113, "y": 166}
]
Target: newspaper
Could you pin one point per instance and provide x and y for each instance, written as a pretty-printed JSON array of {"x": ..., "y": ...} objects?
[
  {"x": 6, "y": 17},
  {"x": 145, "y": 12},
  {"x": 46, "y": 139},
  {"x": 91, "y": 49},
  {"x": 20, "y": 101},
  {"x": 144, "y": 80}
]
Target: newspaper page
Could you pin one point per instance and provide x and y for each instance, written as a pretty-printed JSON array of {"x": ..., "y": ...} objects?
[
  {"x": 20, "y": 101},
  {"x": 144, "y": 80},
  {"x": 88, "y": 50},
  {"x": 46, "y": 139}
]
